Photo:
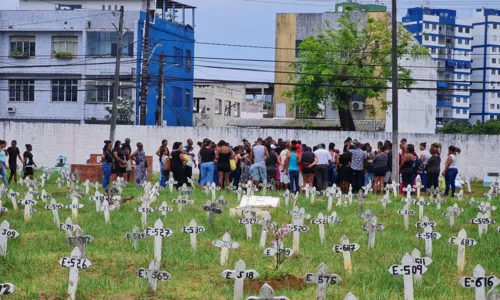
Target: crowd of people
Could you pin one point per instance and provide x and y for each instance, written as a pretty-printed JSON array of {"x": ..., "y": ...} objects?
[
  {"x": 9, "y": 158},
  {"x": 289, "y": 164}
]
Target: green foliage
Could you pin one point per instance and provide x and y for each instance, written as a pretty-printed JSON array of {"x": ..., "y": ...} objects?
[
  {"x": 352, "y": 59},
  {"x": 125, "y": 110},
  {"x": 17, "y": 52},
  {"x": 64, "y": 54},
  {"x": 464, "y": 127}
]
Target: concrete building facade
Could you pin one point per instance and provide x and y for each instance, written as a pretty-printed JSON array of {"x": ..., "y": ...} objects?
[
  {"x": 216, "y": 105},
  {"x": 485, "y": 95},
  {"x": 61, "y": 64},
  {"x": 449, "y": 40}
]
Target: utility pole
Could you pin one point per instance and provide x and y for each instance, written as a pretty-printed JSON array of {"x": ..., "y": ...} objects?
[
  {"x": 145, "y": 66},
  {"x": 159, "y": 103},
  {"x": 116, "y": 87},
  {"x": 395, "y": 112}
]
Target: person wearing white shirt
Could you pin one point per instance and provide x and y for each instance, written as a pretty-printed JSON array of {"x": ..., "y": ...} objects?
[
  {"x": 424, "y": 158},
  {"x": 324, "y": 159}
]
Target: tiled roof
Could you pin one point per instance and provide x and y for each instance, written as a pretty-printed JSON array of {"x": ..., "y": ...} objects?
[{"x": 361, "y": 125}]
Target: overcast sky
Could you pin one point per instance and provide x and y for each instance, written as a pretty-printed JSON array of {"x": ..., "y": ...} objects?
[{"x": 252, "y": 22}]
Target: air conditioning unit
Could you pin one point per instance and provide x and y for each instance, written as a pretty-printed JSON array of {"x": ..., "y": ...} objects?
[
  {"x": 11, "y": 109},
  {"x": 357, "y": 105}
]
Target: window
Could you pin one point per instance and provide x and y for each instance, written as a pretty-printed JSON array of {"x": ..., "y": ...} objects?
[
  {"x": 493, "y": 49},
  {"x": 460, "y": 29},
  {"x": 116, "y": 7},
  {"x": 493, "y": 94},
  {"x": 218, "y": 104},
  {"x": 464, "y": 111},
  {"x": 64, "y": 90},
  {"x": 426, "y": 25},
  {"x": 494, "y": 26},
  {"x": 227, "y": 108},
  {"x": 103, "y": 7},
  {"x": 196, "y": 105},
  {"x": 22, "y": 46},
  {"x": 465, "y": 100},
  {"x": 22, "y": 90},
  {"x": 426, "y": 37},
  {"x": 459, "y": 41},
  {"x": 104, "y": 43},
  {"x": 176, "y": 96},
  {"x": 68, "y": 6},
  {"x": 498, "y": 95},
  {"x": 492, "y": 72},
  {"x": 434, "y": 26},
  {"x": 433, "y": 50},
  {"x": 493, "y": 60},
  {"x": 459, "y": 76},
  {"x": 236, "y": 111},
  {"x": 457, "y": 111},
  {"x": 65, "y": 44},
  {"x": 188, "y": 60},
  {"x": 498, "y": 106},
  {"x": 433, "y": 38},
  {"x": 492, "y": 106},
  {"x": 109, "y": 7},
  {"x": 494, "y": 38},
  {"x": 187, "y": 100},
  {"x": 467, "y": 42},
  {"x": 467, "y": 30},
  {"x": 103, "y": 92}
]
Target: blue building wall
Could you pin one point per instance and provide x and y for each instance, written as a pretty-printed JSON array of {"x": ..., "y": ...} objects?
[{"x": 176, "y": 41}]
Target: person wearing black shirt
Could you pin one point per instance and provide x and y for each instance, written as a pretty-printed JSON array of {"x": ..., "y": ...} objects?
[
  {"x": 120, "y": 165},
  {"x": 28, "y": 163},
  {"x": 207, "y": 166},
  {"x": 107, "y": 164},
  {"x": 13, "y": 153}
]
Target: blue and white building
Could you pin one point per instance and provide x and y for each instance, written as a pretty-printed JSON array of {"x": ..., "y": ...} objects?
[
  {"x": 449, "y": 40},
  {"x": 485, "y": 97}
]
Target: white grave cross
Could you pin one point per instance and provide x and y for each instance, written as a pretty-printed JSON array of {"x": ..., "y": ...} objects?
[
  {"x": 158, "y": 232},
  {"x": 164, "y": 208},
  {"x": 54, "y": 207},
  {"x": 75, "y": 263},
  {"x": 419, "y": 260},
  {"x": 248, "y": 220},
  {"x": 5, "y": 234},
  {"x": 346, "y": 248},
  {"x": 479, "y": 281},
  {"x": 153, "y": 274},
  {"x": 406, "y": 212},
  {"x": 321, "y": 279},
  {"x": 225, "y": 244},
  {"x": 408, "y": 268},
  {"x": 193, "y": 229},
  {"x": 372, "y": 227},
  {"x": 452, "y": 212},
  {"x": 461, "y": 241},
  {"x": 239, "y": 274},
  {"x": 267, "y": 293},
  {"x": 321, "y": 221},
  {"x": 135, "y": 235},
  {"x": 267, "y": 224},
  {"x": 482, "y": 222}
]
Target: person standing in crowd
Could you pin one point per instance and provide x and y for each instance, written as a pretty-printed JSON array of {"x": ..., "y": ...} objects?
[
  {"x": 388, "y": 173},
  {"x": 309, "y": 161},
  {"x": 345, "y": 173},
  {"x": 191, "y": 164},
  {"x": 3, "y": 158},
  {"x": 177, "y": 164},
  {"x": 13, "y": 153},
  {"x": 259, "y": 155},
  {"x": 323, "y": 159},
  {"x": 235, "y": 175},
  {"x": 369, "y": 175},
  {"x": 28, "y": 162},
  {"x": 207, "y": 166},
  {"x": 106, "y": 164},
  {"x": 222, "y": 157},
  {"x": 120, "y": 164},
  {"x": 271, "y": 162},
  {"x": 451, "y": 170},
  {"x": 284, "y": 178},
  {"x": 292, "y": 166},
  {"x": 406, "y": 167},
  {"x": 139, "y": 156},
  {"x": 380, "y": 162},
  {"x": 333, "y": 165},
  {"x": 424, "y": 158},
  {"x": 432, "y": 168},
  {"x": 357, "y": 165},
  {"x": 165, "y": 170},
  {"x": 159, "y": 153},
  {"x": 127, "y": 150}
]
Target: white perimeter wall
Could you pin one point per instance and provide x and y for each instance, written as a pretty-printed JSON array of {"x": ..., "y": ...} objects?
[{"x": 77, "y": 142}]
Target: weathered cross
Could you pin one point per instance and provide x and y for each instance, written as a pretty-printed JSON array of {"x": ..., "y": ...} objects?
[
  {"x": 479, "y": 281},
  {"x": 321, "y": 279},
  {"x": 239, "y": 274},
  {"x": 75, "y": 263},
  {"x": 346, "y": 248},
  {"x": 225, "y": 244},
  {"x": 134, "y": 236},
  {"x": 267, "y": 293},
  {"x": 153, "y": 274},
  {"x": 5, "y": 234},
  {"x": 461, "y": 241},
  {"x": 406, "y": 212},
  {"x": 372, "y": 227}
]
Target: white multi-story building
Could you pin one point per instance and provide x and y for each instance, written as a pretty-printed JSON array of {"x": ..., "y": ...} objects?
[
  {"x": 58, "y": 61},
  {"x": 216, "y": 105},
  {"x": 449, "y": 40},
  {"x": 128, "y": 5},
  {"x": 485, "y": 97}
]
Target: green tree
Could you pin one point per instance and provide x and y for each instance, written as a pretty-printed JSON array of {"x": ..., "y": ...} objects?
[
  {"x": 463, "y": 127},
  {"x": 125, "y": 110},
  {"x": 352, "y": 59}
]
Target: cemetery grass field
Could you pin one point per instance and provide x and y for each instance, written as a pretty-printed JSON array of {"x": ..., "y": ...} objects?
[{"x": 32, "y": 258}]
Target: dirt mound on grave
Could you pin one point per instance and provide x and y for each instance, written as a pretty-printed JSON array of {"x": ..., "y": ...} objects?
[{"x": 289, "y": 282}]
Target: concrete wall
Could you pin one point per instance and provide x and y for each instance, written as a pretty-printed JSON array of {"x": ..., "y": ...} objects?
[{"x": 77, "y": 142}]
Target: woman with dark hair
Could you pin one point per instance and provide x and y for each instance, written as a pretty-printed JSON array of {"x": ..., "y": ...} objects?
[
  {"x": 271, "y": 163},
  {"x": 292, "y": 165},
  {"x": 139, "y": 156},
  {"x": 309, "y": 161},
  {"x": 120, "y": 164},
  {"x": 332, "y": 166},
  {"x": 379, "y": 169},
  {"x": 106, "y": 164},
  {"x": 345, "y": 173},
  {"x": 235, "y": 175},
  {"x": 451, "y": 170},
  {"x": 163, "y": 148},
  {"x": 432, "y": 168},
  {"x": 177, "y": 164},
  {"x": 406, "y": 168},
  {"x": 3, "y": 157},
  {"x": 207, "y": 157},
  {"x": 28, "y": 163},
  {"x": 222, "y": 157}
]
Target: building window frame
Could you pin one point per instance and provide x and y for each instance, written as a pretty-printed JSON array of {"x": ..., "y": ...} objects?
[
  {"x": 64, "y": 44},
  {"x": 227, "y": 108},
  {"x": 218, "y": 105},
  {"x": 64, "y": 90},
  {"x": 237, "y": 110},
  {"x": 187, "y": 100},
  {"x": 21, "y": 90},
  {"x": 22, "y": 46}
]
